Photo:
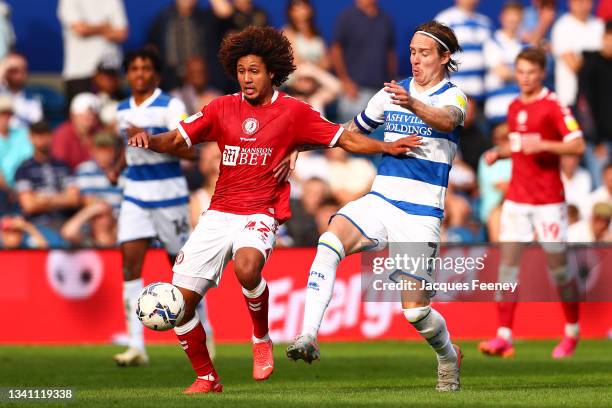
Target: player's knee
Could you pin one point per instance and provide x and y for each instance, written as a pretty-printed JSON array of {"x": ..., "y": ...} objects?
[
  {"x": 248, "y": 272},
  {"x": 416, "y": 314}
]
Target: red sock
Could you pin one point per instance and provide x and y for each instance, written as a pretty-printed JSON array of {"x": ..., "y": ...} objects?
[
  {"x": 569, "y": 294},
  {"x": 192, "y": 337},
  {"x": 258, "y": 309},
  {"x": 505, "y": 312}
]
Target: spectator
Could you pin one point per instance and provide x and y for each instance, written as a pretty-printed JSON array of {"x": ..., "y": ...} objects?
[
  {"x": 363, "y": 55},
  {"x": 308, "y": 45},
  {"x": 493, "y": 183},
  {"x": 310, "y": 164},
  {"x": 182, "y": 31},
  {"x": 326, "y": 211},
  {"x": 239, "y": 14},
  {"x": 73, "y": 139},
  {"x": 91, "y": 178},
  {"x": 594, "y": 229},
  {"x": 596, "y": 88},
  {"x": 93, "y": 226},
  {"x": 602, "y": 194},
  {"x": 28, "y": 108},
  {"x": 538, "y": 18},
  {"x": 196, "y": 92},
  {"x": 349, "y": 177},
  {"x": 16, "y": 232},
  {"x": 303, "y": 227},
  {"x": 573, "y": 33},
  {"x": 15, "y": 146},
  {"x": 7, "y": 33},
  {"x": 573, "y": 214},
  {"x": 46, "y": 191},
  {"x": 314, "y": 86},
  {"x": 199, "y": 200},
  {"x": 107, "y": 87},
  {"x": 472, "y": 30},
  {"x": 92, "y": 30},
  {"x": 473, "y": 141},
  {"x": 500, "y": 52},
  {"x": 576, "y": 180}
]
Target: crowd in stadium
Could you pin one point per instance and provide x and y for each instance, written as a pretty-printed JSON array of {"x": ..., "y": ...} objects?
[{"x": 54, "y": 189}]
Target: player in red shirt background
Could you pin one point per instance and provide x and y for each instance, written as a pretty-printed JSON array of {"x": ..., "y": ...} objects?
[
  {"x": 541, "y": 130},
  {"x": 256, "y": 130}
]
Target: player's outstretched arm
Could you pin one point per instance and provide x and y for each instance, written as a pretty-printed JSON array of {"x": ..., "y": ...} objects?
[
  {"x": 444, "y": 119},
  {"x": 171, "y": 142},
  {"x": 573, "y": 147},
  {"x": 355, "y": 142}
]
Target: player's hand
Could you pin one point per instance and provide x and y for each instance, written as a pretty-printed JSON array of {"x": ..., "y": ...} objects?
[
  {"x": 399, "y": 95},
  {"x": 491, "y": 156},
  {"x": 283, "y": 170},
  {"x": 140, "y": 139},
  {"x": 403, "y": 145}
]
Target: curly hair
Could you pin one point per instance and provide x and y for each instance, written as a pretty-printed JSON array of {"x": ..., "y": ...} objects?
[{"x": 266, "y": 42}]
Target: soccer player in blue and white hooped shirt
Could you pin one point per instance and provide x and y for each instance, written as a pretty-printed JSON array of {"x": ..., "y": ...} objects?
[
  {"x": 406, "y": 203},
  {"x": 155, "y": 195}
]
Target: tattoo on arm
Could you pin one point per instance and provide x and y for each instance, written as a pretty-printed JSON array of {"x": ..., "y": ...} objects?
[
  {"x": 351, "y": 126},
  {"x": 455, "y": 114}
]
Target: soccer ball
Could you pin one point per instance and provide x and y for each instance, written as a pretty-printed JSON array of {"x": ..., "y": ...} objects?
[{"x": 160, "y": 306}]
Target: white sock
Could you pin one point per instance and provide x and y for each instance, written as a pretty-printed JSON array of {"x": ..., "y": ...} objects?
[
  {"x": 431, "y": 325},
  {"x": 505, "y": 333},
  {"x": 131, "y": 290},
  {"x": 208, "y": 377},
  {"x": 262, "y": 340},
  {"x": 572, "y": 330},
  {"x": 320, "y": 289}
]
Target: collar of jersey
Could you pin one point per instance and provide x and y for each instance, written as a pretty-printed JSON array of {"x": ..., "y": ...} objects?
[
  {"x": 274, "y": 98},
  {"x": 426, "y": 92},
  {"x": 147, "y": 101}
]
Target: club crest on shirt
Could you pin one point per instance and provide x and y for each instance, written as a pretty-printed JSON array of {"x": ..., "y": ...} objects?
[{"x": 250, "y": 126}]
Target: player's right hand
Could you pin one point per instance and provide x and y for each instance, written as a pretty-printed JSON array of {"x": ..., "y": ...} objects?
[
  {"x": 491, "y": 156},
  {"x": 140, "y": 139},
  {"x": 403, "y": 145}
]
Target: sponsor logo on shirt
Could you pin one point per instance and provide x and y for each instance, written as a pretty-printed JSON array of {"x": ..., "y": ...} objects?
[{"x": 246, "y": 156}]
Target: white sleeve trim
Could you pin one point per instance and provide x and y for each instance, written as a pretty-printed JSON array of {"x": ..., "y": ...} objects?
[
  {"x": 336, "y": 137},
  {"x": 571, "y": 136},
  {"x": 184, "y": 134}
]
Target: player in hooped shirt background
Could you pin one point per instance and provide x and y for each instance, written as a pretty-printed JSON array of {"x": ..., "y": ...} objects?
[
  {"x": 255, "y": 130},
  {"x": 541, "y": 130}
]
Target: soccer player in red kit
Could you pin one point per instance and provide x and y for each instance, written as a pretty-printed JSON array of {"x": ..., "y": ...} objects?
[
  {"x": 541, "y": 130},
  {"x": 256, "y": 130}
]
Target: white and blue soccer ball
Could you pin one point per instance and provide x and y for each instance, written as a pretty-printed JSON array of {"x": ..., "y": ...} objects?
[{"x": 160, "y": 306}]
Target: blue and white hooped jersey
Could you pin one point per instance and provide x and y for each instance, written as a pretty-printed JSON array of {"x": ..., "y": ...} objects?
[
  {"x": 153, "y": 180},
  {"x": 500, "y": 50},
  {"x": 472, "y": 31},
  {"x": 416, "y": 182}
]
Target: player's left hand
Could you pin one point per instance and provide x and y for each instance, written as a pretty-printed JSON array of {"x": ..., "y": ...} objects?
[
  {"x": 283, "y": 170},
  {"x": 399, "y": 95},
  {"x": 140, "y": 139}
]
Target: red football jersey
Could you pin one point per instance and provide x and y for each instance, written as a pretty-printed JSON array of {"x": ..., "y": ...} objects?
[
  {"x": 253, "y": 140},
  {"x": 536, "y": 178}
]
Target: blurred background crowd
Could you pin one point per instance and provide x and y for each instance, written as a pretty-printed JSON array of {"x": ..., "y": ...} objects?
[{"x": 58, "y": 134}]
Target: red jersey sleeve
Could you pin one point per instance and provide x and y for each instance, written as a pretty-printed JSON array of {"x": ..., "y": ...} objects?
[
  {"x": 200, "y": 127},
  {"x": 310, "y": 128},
  {"x": 565, "y": 123}
]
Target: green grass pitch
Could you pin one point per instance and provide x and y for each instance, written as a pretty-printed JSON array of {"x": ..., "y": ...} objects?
[{"x": 368, "y": 374}]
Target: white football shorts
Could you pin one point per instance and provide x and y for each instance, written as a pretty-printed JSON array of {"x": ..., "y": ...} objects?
[
  {"x": 168, "y": 224},
  {"x": 216, "y": 239},
  {"x": 387, "y": 226},
  {"x": 546, "y": 223}
]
